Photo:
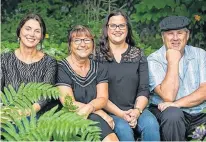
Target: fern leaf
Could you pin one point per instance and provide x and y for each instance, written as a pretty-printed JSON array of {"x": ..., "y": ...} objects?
[
  {"x": 37, "y": 136},
  {"x": 19, "y": 126},
  {"x": 89, "y": 137},
  {"x": 29, "y": 98},
  {"x": 46, "y": 90},
  {"x": 21, "y": 87},
  {"x": 7, "y": 136},
  {"x": 28, "y": 85},
  {"x": 8, "y": 95},
  {"x": 5, "y": 113},
  {"x": 26, "y": 124},
  {"x": 20, "y": 103},
  {"x": 48, "y": 113},
  {"x": 10, "y": 129},
  {"x": 27, "y": 102},
  {"x": 55, "y": 93},
  {"x": 83, "y": 137},
  {"x": 4, "y": 99},
  {"x": 12, "y": 91},
  {"x": 33, "y": 119},
  {"x": 66, "y": 130},
  {"x": 38, "y": 85},
  {"x": 29, "y": 137}
]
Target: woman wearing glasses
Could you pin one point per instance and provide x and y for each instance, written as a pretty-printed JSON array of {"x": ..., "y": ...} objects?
[
  {"x": 86, "y": 81},
  {"x": 128, "y": 81}
]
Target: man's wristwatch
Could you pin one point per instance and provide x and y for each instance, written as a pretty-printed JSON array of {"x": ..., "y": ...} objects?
[{"x": 140, "y": 111}]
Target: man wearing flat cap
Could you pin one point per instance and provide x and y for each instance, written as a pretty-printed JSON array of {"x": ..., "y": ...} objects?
[{"x": 177, "y": 74}]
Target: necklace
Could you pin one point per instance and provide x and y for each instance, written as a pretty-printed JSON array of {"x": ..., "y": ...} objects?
[{"x": 32, "y": 57}]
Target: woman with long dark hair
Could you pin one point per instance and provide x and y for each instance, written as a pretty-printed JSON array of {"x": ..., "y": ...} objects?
[{"x": 128, "y": 81}]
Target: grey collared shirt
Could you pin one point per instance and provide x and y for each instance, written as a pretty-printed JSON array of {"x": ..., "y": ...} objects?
[{"x": 192, "y": 72}]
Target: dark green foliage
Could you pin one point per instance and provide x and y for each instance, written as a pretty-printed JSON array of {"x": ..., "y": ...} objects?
[
  {"x": 61, "y": 15},
  {"x": 148, "y": 14}
]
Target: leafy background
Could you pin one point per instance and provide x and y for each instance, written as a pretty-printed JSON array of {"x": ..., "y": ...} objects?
[{"x": 61, "y": 15}]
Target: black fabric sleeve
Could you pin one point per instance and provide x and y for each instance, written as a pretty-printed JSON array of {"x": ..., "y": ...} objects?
[
  {"x": 102, "y": 73},
  {"x": 143, "y": 88},
  {"x": 49, "y": 77},
  {"x": 63, "y": 75},
  {"x": 50, "y": 74}
]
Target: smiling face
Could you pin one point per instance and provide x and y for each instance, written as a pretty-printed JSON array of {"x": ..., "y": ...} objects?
[
  {"x": 81, "y": 45},
  {"x": 176, "y": 39},
  {"x": 30, "y": 34},
  {"x": 117, "y": 35}
]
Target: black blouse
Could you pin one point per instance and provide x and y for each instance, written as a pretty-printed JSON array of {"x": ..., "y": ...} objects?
[
  {"x": 127, "y": 79},
  {"x": 15, "y": 72},
  {"x": 84, "y": 88}
]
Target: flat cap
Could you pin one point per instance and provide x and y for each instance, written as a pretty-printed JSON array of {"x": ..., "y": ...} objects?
[{"x": 174, "y": 23}]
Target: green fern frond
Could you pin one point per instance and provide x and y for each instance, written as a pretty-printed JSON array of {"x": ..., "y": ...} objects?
[
  {"x": 8, "y": 136},
  {"x": 6, "y": 112},
  {"x": 52, "y": 125},
  {"x": 30, "y": 92},
  {"x": 10, "y": 129},
  {"x": 59, "y": 126},
  {"x": 24, "y": 98},
  {"x": 20, "y": 89},
  {"x": 8, "y": 96},
  {"x": 12, "y": 91},
  {"x": 3, "y": 98}
]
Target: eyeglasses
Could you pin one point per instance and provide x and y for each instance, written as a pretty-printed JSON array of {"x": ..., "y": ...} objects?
[
  {"x": 114, "y": 26},
  {"x": 79, "y": 41}
]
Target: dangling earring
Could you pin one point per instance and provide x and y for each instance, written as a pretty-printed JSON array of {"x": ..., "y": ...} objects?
[
  {"x": 41, "y": 42},
  {"x": 70, "y": 51},
  {"x": 18, "y": 39}
]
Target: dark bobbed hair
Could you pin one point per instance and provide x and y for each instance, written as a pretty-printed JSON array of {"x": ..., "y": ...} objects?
[
  {"x": 35, "y": 17},
  {"x": 77, "y": 31},
  {"x": 103, "y": 42}
]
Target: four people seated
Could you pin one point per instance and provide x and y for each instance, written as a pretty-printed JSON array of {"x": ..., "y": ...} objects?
[{"x": 111, "y": 85}]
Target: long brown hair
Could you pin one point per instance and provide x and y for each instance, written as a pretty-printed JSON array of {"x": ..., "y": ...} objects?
[{"x": 103, "y": 42}]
